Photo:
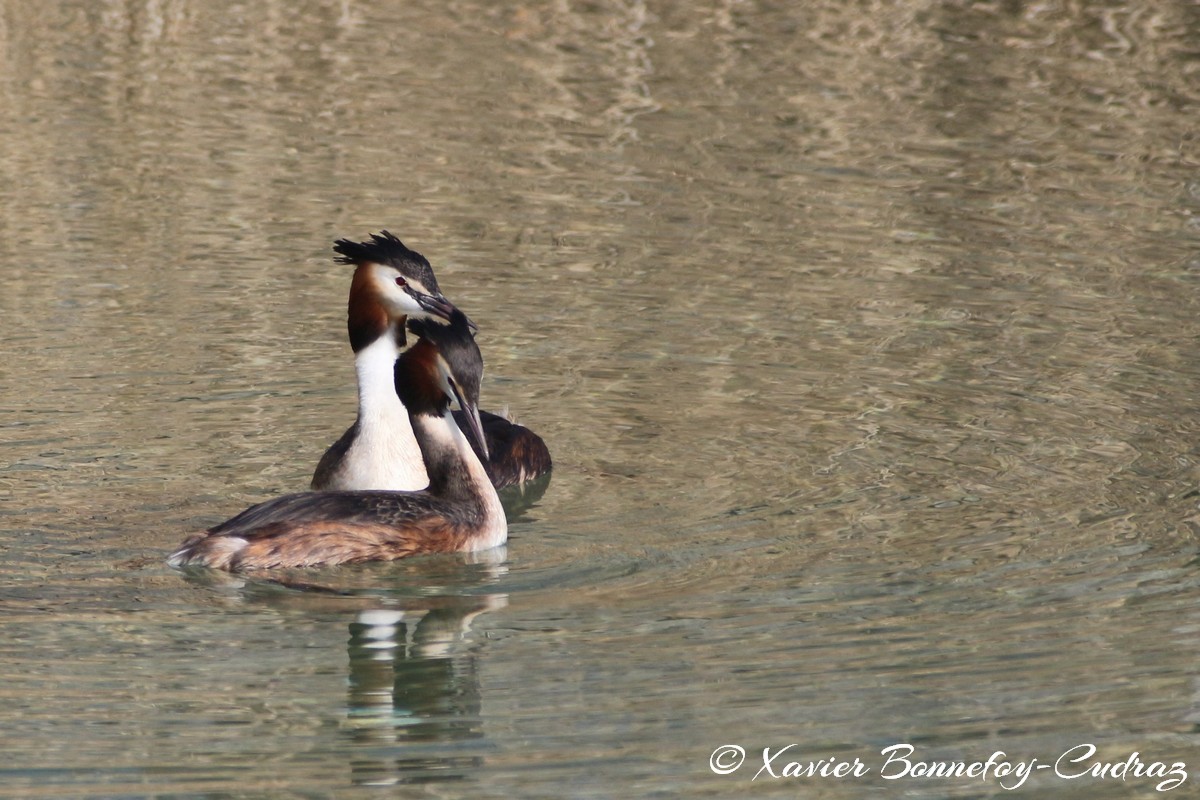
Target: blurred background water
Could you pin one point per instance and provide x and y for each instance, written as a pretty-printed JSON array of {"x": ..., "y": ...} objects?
[{"x": 864, "y": 336}]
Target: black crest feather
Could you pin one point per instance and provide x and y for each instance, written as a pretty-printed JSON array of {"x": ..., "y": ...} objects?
[{"x": 384, "y": 248}]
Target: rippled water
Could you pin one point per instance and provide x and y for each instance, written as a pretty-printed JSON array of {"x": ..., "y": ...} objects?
[{"x": 864, "y": 336}]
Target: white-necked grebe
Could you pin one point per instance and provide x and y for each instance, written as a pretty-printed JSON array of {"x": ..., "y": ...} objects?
[
  {"x": 459, "y": 512},
  {"x": 390, "y": 284},
  {"x": 378, "y": 452}
]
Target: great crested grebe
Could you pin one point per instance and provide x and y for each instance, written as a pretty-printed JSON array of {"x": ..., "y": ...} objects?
[
  {"x": 459, "y": 512},
  {"x": 378, "y": 452},
  {"x": 391, "y": 283}
]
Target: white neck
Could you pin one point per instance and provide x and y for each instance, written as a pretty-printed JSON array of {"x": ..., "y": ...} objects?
[
  {"x": 445, "y": 436},
  {"x": 384, "y": 454}
]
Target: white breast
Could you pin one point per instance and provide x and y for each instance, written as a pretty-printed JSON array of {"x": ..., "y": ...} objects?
[{"x": 384, "y": 454}]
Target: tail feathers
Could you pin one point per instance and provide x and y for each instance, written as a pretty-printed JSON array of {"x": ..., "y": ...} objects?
[{"x": 202, "y": 550}]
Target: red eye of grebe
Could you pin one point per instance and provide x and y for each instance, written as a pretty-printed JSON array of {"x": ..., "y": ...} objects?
[{"x": 401, "y": 282}]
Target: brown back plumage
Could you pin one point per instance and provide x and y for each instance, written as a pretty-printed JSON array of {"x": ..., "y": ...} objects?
[
  {"x": 315, "y": 528},
  {"x": 516, "y": 454}
]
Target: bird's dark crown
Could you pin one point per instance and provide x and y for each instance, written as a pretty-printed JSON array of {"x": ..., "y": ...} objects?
[{"x": 384, "y": 248}]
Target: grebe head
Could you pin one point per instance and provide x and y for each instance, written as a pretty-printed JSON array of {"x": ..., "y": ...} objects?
[
  {"x": 459, "y": 368},
  {"x": 390, "y": 283}
]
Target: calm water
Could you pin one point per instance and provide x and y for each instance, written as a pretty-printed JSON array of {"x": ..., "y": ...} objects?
[{"x": 864, "y": 336}]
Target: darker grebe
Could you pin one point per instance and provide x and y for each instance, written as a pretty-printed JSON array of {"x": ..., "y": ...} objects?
[
  {"x": 377, "y": 452},
  {"x": 460, "y": 510}
]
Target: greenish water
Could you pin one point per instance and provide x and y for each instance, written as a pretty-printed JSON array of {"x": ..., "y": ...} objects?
[{"x": 863, "y": 335}]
